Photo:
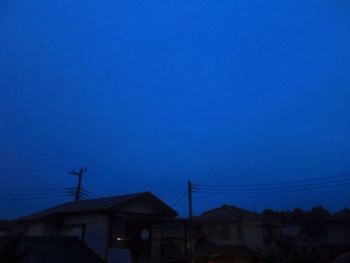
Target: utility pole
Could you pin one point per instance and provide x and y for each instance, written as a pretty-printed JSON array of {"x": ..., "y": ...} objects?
[
  {"x": 78, "y": 173},
  {"x": 189, "y": 189},
  {"x": 190, "y": 218}
]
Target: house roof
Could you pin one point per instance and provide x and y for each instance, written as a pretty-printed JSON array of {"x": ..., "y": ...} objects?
[
  {"x": 48, "y": 250},
  {"x": 97, "y": 205},
  {"x": 231, "y": 213},
  {"x": 341, "y": 216}
]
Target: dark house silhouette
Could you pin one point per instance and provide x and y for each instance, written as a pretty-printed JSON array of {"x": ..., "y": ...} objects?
[
  {"x": 129, "y": 227},
  {"x": 230, "y": 233}
]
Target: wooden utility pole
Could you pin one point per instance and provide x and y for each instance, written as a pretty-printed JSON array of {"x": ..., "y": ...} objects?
[
  {"x": 190, "y": 218},
  {"x": 189, "y": 189},
  {"x": 78, "y": 173}
]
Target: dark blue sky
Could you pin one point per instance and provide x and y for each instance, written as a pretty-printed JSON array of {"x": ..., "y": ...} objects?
[{"x": 149, "y": 94}]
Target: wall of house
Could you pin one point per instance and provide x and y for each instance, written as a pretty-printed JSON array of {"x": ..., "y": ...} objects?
[
  {"x": 142, "y": 206},
  {"x": 165, "y": 241},
  {"x": 74, "y": 231},
  {"x": 253, "y": 236},
  {"x": 338, "y": 234},
  {"x": 156, "y": 242},
  {"x": 168, "y": 240},
  {"x": 36, "y": 229},
  {"x": 290, "y": 230},
  {"x": 95, "y": 231},
  {"x": 44, "y": 228},
  {"x": 117, "y": 255},
  {"x": 122, "y": 241},
  {"x": 222, "y": 233},
  {"x": 249, "y": 234}
]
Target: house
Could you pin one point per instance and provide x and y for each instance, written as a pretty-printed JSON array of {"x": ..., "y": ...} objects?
[
  {"x": 233, "y": 233},
  {"x": 127, "y": 228},
  {"x": 291, "y": 230},
  {"x": 10, "y": 228},
  {"x": 338, "y": 228}
]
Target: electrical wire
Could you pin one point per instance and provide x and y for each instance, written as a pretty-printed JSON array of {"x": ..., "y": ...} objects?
[
  {"x": 278, "y": 184},
  {"x": 180, "y": 199},
  {"x": 31, "y": 198},
  {"x": 31, "y": 190},
  {"x": 296, "y": 186},
  {"x": 274, "y": 188}
]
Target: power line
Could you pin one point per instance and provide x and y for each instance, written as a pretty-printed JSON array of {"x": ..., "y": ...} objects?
[
  {"x": 314, "y": 179},
  {"x": 270, "y": 191},
  {"x": 43, "y": 192},
  {"x": 274, "y": 187},
  {"x": 309, "y": 184},
  {"x": 32, "y": 195},
  {"x": 104, "y": 184},
  {"x": 31, "y": 198},
  {"x": 180, "y": 199},
  {"x": 28, "y": 190},
  {"x": 101, "y": 186},
  {"x": 64, "y": 192},
  {"x": 88, "y": 194}
]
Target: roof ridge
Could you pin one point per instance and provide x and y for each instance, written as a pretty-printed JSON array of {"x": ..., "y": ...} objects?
[
  {"x": 231, "y": 211},
  {"x": 211, "y": 210},
  {"x": 111, "y": 197},
  {"x": 84, "y": 205}
]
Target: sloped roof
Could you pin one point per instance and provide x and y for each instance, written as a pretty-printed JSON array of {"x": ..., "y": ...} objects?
[
  {"x": 93, "y": 205},
  {"x": 231, "y": 213},
  {"x": 49, "y": 250}
]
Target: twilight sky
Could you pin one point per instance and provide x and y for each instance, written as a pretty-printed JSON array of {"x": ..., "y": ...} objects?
[{"x": 149, "y": 94}]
